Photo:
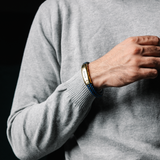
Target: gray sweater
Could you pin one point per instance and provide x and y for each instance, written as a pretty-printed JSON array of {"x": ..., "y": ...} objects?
[{"x": 53, "y": 107}]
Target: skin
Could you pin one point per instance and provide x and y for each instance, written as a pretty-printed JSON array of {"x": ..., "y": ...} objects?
[{"x": 133, "y": 59}]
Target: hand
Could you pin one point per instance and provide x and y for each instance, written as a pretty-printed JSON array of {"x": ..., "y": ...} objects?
[{"x": 134, "y": 59}]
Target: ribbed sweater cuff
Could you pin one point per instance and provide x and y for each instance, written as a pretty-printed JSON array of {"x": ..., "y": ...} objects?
[{"x": 79, "y": 92}]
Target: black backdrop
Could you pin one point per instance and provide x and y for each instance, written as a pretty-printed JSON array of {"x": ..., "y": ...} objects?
[{"x": 16, "y": 17}]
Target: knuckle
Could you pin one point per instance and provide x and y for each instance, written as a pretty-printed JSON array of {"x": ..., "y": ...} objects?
[
  {"x": 137, "y": 49},
  {"x": 155, "y": 62},
  {"x": 157, "y": 48},
  {"x": 155, "y": 38},
  {"x": 150, "y": 49},
  {"x": 133, "y": 39},
  {"x": 150, "y": 37},
  {"x": 153, "y": 73}
]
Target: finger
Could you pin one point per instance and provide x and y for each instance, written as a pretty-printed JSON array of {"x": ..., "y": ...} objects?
[
  {"x": 150, "y": 62},
  {"x": 147, "y": 73},
  {"x": 146, "y": 40},
  {"x": 151, "y": 51}
]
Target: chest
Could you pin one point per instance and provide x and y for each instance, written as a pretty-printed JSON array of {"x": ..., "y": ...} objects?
[{"x": 90, "y": 31}]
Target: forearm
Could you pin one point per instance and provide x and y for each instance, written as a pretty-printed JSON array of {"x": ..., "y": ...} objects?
[
  {"x": 45, "y": 111},
  {"x": 39, "y": 129}
]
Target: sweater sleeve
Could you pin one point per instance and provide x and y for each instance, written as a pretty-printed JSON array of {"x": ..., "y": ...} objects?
[{"x": 45, "y": 111}]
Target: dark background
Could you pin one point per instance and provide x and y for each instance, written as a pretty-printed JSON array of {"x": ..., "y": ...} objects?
[{"x": 16, "y": 17}]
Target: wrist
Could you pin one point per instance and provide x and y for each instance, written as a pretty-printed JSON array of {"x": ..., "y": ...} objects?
[{"x": 96, "y": 75}]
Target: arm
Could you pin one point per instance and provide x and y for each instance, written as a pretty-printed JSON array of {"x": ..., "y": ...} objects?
[
  {"x": 37, "y": 124},
  {"x": 45, "y": 113}
]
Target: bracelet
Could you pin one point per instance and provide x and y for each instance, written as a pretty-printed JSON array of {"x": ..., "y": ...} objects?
[{"x": 87, "y": 80}]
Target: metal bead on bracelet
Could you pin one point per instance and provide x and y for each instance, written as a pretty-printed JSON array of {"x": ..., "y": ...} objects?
[{"x": 87, "y": 80}]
